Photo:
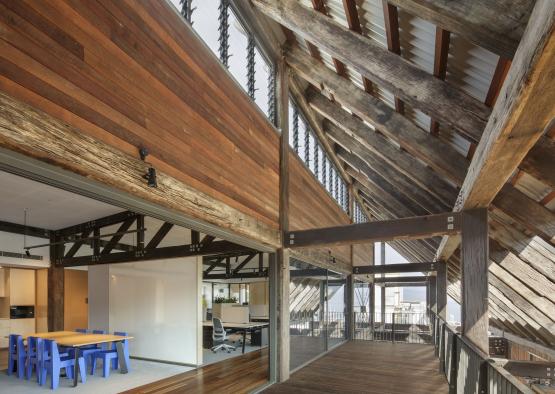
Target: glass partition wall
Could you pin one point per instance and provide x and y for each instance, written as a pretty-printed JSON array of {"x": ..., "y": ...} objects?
[{"x": 317, "y": 311}]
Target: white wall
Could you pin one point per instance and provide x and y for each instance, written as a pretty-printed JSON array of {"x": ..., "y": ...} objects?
[
  {"x": 156, "y": 302},
  {"x": 99, "y": 297}
]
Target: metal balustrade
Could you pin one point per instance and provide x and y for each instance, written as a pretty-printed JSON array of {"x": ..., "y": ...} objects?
[
  {"x": 408, "y": 327},
  {"x": 314, "y": 324}
]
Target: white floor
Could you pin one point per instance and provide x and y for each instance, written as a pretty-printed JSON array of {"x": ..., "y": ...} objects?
[
  {"x": 209, "y": 357},
  {"x": 141, "y": 372}
]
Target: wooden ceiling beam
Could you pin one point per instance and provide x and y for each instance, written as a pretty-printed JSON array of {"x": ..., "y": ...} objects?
[
  {"x": 443, "y": 37},
  {"x": 528, "y": 212},
  {"x": 494, "y": 25},
  {"x": 417, "y": 227},
  {"x": 437, "y": 154},
  {"x": 414, "y": 85},
  {"x": 319, "y": 6},
  {"x": 373, "y": 146},
  {"x": 353, "y": 20},
  {"x": 519, "y": 118},
  {"x": 539, "y": 161},
  {"x": 391, "y": 18}
]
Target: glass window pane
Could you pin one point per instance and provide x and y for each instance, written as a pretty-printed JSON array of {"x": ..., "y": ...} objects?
[
  {"x": 262, "y": 73},
  {"x": 238, "y": 43},
  {"x": 205, "y": 22}
]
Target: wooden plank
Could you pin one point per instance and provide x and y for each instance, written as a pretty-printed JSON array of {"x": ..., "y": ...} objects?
[
  {"x": 495, "y": 25},
  {"x": 391, "y": 19},
  {"x": 440, "y": 64},
  {"x": 526, "y": 211},
  {"x": 539, "y": 161},
  {"x": 351, "y": 13},
  {"x": 368, "y": 145},
  {"x": 44, "y": 65},
  {"x": 407, "y": 228},
  {"x": 241, "y": 374},
  {"x": 520, "y": 115},
  {"x": 382, "y": 368},
  {"x": 416, "y": 141},
  {"x": 32, "y": 132},
  {"x": 475, "y": 257},
  {"x": 395, "y": 268},
  {"x": 402, "y": 78}
]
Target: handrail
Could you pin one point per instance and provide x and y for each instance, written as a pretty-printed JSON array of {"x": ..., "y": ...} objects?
[{"x": 482, "y": 372}]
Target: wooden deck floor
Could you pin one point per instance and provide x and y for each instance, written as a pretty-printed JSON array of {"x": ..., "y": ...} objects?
[
  {"x": 236, "y": 375},
  {"x": 369, "y": 367}
]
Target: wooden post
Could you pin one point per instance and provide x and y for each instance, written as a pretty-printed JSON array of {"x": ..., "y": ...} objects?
[
  {"x": 55, "y": 288},
  {"x": 474, "y": 289},
  {"x": 441, "y": 290},
  {"x": 349, "y": 313},
  {"x": 283, "y": 358}
]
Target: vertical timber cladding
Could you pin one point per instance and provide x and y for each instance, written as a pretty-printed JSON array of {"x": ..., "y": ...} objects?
[
  {"x": 131, "y": 74},
  {"x": 310, "y": 206}
]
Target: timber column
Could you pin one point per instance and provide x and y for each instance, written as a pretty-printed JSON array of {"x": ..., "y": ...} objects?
[
  {"x": 283, "y": 253},
  {"x": 474, "y": 294},
  {"x": 55, "y": 287}
]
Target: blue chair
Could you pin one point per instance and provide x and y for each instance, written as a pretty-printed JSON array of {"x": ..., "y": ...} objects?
[
  {"x": 81, "y": 330},
  {"x": 111, "y": 357},
  {"x": 16, "y": 354},
  {"x": 88, "y": 351},
  {"x": 52, "y": 362},
  {"x": 32, "y": 357}
]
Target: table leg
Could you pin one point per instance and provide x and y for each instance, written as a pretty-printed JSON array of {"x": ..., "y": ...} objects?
[
  {"x": 76, "y": 367},
  {"x": 121, "y": 357},
  {"x": 244, "y": 339}
]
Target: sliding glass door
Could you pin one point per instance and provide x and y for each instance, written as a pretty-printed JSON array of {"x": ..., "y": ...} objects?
[{"x": 317, "y": 311}]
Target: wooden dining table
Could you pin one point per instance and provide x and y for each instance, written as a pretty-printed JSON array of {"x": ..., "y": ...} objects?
[{"x": 76, "y": 340}]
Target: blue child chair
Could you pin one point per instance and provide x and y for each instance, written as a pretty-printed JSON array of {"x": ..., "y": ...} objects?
[
  {"x": 88, "y": 351},
  {"x": 111, "y": 357},
  {"x": 16, "y": 354},
  {"x": 52, "y": 363},
  {"x": 33, "y": 357}
]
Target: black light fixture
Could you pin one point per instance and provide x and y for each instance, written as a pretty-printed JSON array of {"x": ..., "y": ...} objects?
[{"x": 150, "y": 176}]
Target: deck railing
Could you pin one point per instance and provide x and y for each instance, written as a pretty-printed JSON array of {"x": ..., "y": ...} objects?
[
  {"x": 314, "y": 324},
  {"x": 467, "y": 369},
  {"x": 408, "y": 327}
]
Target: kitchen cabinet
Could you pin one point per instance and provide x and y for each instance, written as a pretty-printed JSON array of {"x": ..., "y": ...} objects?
[
  {"x": 22, "y": 326},
  {"x": 22, "y": 287},
  {"x": 3, "y": 286},
  {"x": 4, "y": 332}
]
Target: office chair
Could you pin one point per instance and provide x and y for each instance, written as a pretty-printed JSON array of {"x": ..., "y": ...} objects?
[{"x": 219, "y": 335}]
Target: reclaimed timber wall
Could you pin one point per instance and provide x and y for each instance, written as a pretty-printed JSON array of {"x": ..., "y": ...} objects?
[
  {"x": 131, "y": 74},
  {"x": 310, "y": 206}
]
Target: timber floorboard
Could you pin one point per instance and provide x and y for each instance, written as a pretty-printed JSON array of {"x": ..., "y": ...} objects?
[
  {"x": 240, "y": 374},
  {"x": 369, "y": 367}
]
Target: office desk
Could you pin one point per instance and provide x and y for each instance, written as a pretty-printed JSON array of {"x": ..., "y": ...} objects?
[{"x": 244, "y": 327}]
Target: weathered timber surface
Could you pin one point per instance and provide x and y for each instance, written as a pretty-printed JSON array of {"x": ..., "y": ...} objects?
[
  {"x": 34, "y": 133},
  {"x": 496, "y": 25},
  {"x": 415, "y": 86},
  {"x": 135, "y": 74}
]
